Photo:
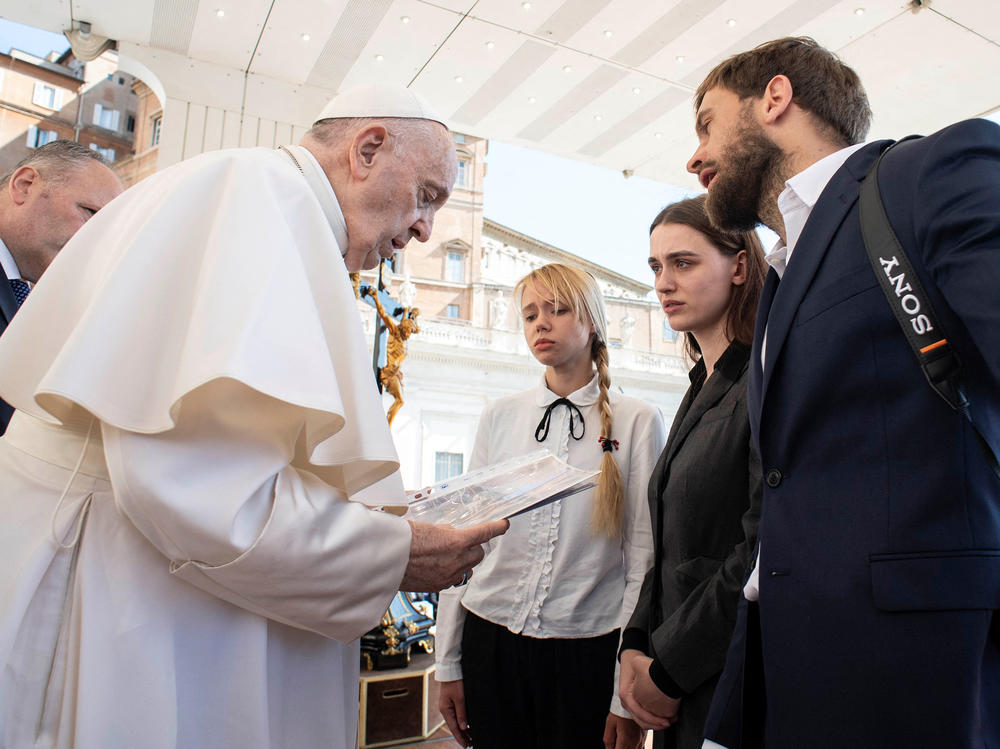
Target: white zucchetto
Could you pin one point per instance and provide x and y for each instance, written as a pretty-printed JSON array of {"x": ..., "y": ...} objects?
[{"x": 380, "y": 100}]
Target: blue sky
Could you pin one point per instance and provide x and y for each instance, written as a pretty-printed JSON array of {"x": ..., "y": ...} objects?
[
  {"x": 587, "y": 210},
  {"x": 30, "y": 39}
]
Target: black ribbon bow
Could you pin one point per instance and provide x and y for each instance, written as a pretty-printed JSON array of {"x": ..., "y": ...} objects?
[{"x": 542, "y": 430}]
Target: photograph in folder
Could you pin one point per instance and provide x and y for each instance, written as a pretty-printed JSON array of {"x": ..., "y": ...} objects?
[{"x": 501, "y": 490}]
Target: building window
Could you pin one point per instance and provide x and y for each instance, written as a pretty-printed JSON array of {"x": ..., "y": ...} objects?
[
  {"x": 47, "y": 96},
  {"x": 447, "y": 465},
  {"x": 454, "y": 268},
  {"x": 669, "y": 334},
  {"x": 459, "y": 138},
  {"x": 37, "y": 138},
  {"x": 130, "y": 123},
  {"x": 107, "y": 153},
  {"x": 451, "y": 311},
  {"x": 154, "y": 137},
  {"x": 106, "y": 118},
  {"x": 464, "y": 172}
]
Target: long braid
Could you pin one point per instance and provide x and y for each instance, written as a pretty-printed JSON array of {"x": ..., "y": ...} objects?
[{"x": 610, "y": 504}]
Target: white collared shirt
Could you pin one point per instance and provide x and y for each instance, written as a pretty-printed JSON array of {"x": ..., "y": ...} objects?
[
  {"x": 797, "y": 200},
  {"x": 795, "y": 203},
  {"x": 549, "y": 575},
  {"x": 7, "y": 263}
]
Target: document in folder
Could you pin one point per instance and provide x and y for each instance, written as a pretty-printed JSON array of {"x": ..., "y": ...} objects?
[{"x": 501, "y": 490}]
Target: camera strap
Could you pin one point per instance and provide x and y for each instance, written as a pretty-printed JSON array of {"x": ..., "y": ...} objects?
[{"x": 910, "y": 303}]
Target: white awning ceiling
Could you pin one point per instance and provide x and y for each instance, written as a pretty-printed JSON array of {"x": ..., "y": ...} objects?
[{"x": 604, "y": 81}]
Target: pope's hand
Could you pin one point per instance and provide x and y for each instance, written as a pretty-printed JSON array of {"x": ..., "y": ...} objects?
[{"x": 442, "y": 556}]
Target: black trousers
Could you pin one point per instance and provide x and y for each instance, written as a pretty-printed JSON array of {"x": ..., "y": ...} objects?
[{"x": 536, "y": 693}]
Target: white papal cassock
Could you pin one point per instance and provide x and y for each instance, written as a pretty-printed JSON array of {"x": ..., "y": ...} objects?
[{"x": 178, "y": 564}]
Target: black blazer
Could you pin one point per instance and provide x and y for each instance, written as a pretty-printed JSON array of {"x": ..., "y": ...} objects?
[
  {"x": 704, "y": 498},
  {"x": 879, "y": 616},
  {"x": 8, "y": 306}
]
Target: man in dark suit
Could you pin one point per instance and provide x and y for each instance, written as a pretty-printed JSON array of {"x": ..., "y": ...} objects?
[
  {"x": 872, "y": 618},
  {"x": 43, "y": 201}
]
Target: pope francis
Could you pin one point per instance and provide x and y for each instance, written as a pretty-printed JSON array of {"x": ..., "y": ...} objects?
[{"x": 180, "y": 567}]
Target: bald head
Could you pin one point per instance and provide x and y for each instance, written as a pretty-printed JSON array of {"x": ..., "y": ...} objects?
[
  {"x": 47, "y": 197},
  {"x": 390, "y": 175}
]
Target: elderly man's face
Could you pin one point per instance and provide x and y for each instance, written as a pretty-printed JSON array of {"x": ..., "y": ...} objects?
[
  {"x": 400, "y": 197},
  {"x": 51, "y": 210}
]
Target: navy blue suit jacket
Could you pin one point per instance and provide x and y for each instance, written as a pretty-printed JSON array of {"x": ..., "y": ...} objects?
[
  {"x": 8, "y": 306},
  {"x": 877, "y": 624}
]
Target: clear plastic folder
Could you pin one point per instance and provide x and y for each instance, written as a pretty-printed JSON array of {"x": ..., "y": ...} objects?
[{"x": 501, "y": 490}]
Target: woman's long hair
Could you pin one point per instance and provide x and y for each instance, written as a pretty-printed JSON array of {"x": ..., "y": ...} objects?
[
  {"x": 744, "y": 297},
  {"x": 578, "y": 291}
]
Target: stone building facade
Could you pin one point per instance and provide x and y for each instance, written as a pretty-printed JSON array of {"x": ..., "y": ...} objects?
[
  {"x": 44, "y": 99},
  {"x": 471, "y": 348}
]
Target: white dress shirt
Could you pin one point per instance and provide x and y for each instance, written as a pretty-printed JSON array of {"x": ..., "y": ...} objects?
[
  {"x": 549, "y": 575},
  {"x": 7, "y": 263}
]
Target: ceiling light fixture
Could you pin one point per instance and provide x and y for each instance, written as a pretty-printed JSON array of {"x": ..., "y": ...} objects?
[
  {"x": 598, "y": 117},
  {"x": 608, "y": 33},
  {"x": 490, "y": 45},
  {"x": 405, "y": 19},
  {"x": 306, "y": 37},
  {"x": 220, "y": 13},
  {"x": 532, "y": 99},
  {"x": 657, "y": 135},
  {"x": 379, "y": 58},
  {"x": 731, "y": 22},
  {"x": 459, "y": 79},
  {"x": 526, "y": 5},
  {"x": 636, "y": 90},
  {"x": 567, "y": 69},
  {"x": 859, "y": 11},
  {"x": 679, "y": 58}
]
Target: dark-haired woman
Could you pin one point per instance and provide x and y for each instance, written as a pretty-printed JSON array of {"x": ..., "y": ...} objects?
[{"x": 704, "y": 492}]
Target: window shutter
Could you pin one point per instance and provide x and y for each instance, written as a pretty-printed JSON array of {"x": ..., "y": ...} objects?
[
  {"x": 32, "y": 136},
  {"x": 57, "y": 99}
]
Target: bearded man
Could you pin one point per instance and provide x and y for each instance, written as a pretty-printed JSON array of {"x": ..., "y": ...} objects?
[
  {"x": 181, "y": 564},
  {"x": 871, "y": 614}
]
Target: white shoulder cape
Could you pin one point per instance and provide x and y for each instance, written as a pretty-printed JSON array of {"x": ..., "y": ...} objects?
[{"x": 224, "y": 266}]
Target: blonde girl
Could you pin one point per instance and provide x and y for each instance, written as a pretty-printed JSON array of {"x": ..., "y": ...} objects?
[{"x": 527, "y": 648}]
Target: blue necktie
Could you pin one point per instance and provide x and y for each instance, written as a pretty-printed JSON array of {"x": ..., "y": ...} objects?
[{"x": 20, "y": 289}]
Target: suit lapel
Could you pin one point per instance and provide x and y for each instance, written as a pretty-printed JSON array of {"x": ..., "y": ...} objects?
[
  {"x": 756, "y": 365},
  {"x": 832, "y": 207},
  {"x": 8, "y": 304},
  {"x": 710, "y": 394}
]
